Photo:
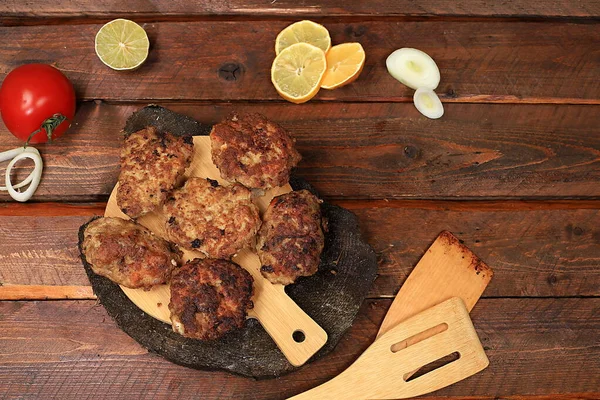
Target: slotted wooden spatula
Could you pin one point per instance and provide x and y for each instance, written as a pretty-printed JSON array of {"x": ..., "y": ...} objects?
[
  {"x": 382, "y": 371},
  {"x": 448, "y": 269}
]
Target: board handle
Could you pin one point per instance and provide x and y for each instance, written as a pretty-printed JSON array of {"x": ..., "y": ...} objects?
[{"x": 296, "y": 334}]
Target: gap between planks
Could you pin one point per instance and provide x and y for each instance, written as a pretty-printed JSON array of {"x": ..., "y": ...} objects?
[
  {"x": 51, "y": 209},
  {"x": 444, "y": 97},
  {"x": 10, "y": 292},
  {"x": 65, "y": 19}
]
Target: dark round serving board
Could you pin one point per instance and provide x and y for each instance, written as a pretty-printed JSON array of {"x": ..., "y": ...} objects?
[{"x": 331, "y": 297}]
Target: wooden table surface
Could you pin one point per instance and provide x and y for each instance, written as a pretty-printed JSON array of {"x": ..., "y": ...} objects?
[{"x": 512, "y": 168}]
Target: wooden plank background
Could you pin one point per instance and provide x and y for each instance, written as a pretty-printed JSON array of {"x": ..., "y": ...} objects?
[
  {"x": 547, "y": 252},
  {"x": 480, "y": 61},
  {"x": 62, "y": 358},
  {"x": 513, "y": 169},
  {"x": 372, "y": 151},
  {"x": 21, "y": 11}
]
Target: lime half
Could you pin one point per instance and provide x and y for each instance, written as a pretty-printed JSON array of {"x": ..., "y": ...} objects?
[{"x": 122, "y": 44}]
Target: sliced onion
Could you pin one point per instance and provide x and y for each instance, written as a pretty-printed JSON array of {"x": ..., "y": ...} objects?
[
  {"x": 428, "y": 103},
  {"x": 413, "y": 68},
  {"x": 34, "y": 177}
]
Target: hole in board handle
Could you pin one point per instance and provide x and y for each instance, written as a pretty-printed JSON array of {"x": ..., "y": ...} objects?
[
  {"x": 298, "y": 336},
  {"x": 419, "y": 337}
]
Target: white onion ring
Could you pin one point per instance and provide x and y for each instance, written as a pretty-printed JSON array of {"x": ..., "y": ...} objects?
[{"x": 34, "y": 177}]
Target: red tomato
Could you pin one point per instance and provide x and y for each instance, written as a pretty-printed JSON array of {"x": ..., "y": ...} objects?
[{"x": 37, "y": 97}]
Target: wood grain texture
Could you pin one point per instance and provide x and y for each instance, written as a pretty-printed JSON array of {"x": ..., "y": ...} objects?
[
  {"x": 156, "y": 9},
  {"x": 45, "y": 292},
  {"x": 532, "y": 253},
  {"x": 536, "y": 347},
  {"x": 370, "y": 151},
  {"x": 542, "y": 252},
  {"x": 41, "y": 251},
  {"x": 480, "y": 61},
  {"x": 16, "y": 209}
]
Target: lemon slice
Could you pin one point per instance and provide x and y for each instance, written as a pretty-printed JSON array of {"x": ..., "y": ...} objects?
[
  {"x": 344, "y": 63},
  {"x": 303, "y": 32},
  {"x": 122, "y": 44},
  {"x": 297, "y": 72}
]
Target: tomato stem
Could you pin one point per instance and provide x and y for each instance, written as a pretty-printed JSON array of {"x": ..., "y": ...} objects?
[{"x": 49, "y": 126}]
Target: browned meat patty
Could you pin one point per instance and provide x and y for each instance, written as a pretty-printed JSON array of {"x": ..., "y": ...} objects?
[
  {"x": 127, "y": 253},
  {"x": 291, "y": 238},
  {"x": 151, "y": 165},
  {"x": 216, "y": 220},
  {"x": 210, "y": 298},
  {"x": 253, "y": 151}
]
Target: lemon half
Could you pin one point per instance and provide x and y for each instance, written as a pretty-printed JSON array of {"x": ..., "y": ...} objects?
[
  {"x": 303, "y": 32},
  {"x": 297, "y": 72},
  {"x": 344, "y": 64}
]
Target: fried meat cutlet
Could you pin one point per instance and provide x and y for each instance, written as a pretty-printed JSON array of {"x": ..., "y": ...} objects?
[
  {"x": 210, "y": 298},
  {"x": 291, "y": 238},
  {"x": 253, "y": 151},
  {"x": 151, "y": 164},
  {"x": 216, "y": 220},
  {"x": 128, "y": 254}
]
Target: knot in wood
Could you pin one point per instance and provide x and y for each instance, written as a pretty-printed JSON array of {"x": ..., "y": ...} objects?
[
  {"x": 411, "y": 151},
  {"x": 357, "y": 31},
  {"x": 451, "y": 93},
  {"x": 231, "y": 71}
]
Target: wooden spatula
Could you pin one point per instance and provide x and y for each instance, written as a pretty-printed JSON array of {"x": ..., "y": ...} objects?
[
  {"x": 448, "y": 269},
  {"x": 382, "y": 371}
]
